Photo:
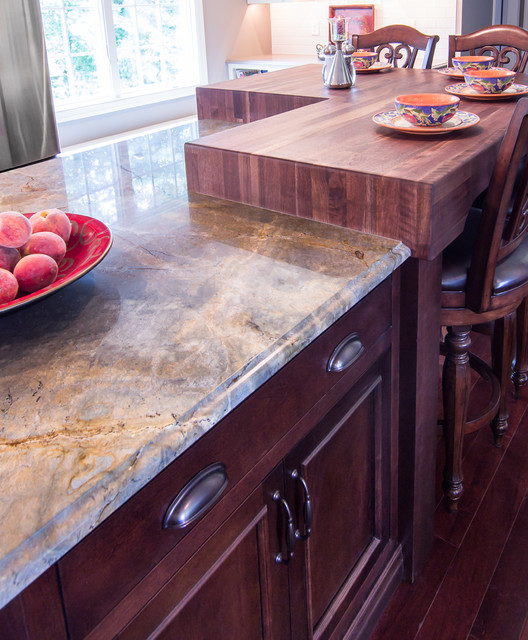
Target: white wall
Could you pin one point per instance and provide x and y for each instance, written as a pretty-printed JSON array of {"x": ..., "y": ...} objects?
[
  {"x": 234, "y": 29},
  {"x": 293, "y": 25}
]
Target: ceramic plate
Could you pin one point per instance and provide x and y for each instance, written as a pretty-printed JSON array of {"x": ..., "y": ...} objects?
[
  {"x": 89, "y": 242},
  {"x": 377, "y": 66},
  {"x": 451, "y": 72},
  {"x": 392, "y": 120},
  {"x": 465, "y": 91}
]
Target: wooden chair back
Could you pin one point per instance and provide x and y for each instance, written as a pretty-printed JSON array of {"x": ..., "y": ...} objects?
[
  {"x": 508, "y": 44},
  {"x": 398, "y": 44},
  {"x": 504, "y": 220}
]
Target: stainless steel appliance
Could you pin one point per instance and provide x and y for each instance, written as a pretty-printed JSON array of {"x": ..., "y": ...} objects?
[{"x": 28, "y": 130}]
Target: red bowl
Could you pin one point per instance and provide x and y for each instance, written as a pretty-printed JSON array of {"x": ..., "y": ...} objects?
[{"x": 90, "y": 240}]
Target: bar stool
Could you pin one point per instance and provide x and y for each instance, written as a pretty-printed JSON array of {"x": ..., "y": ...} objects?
[
  {"x": 398, "y": 43},
  {"x": 485, "y": 279},
  {"x": 508, "y": 44}
]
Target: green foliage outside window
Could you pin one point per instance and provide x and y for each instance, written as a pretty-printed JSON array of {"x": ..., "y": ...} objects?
[{"x": 149, "y": 42}]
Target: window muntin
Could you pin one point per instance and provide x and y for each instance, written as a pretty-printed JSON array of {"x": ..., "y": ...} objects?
[{"x": 102, "y": 50}]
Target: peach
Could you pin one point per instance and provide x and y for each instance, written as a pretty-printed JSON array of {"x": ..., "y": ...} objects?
[
  {"x": 45, "y": 242},
  {"x": 15, "y": 229},
  {"x": 35, "y": 272},
  {"x": 8, "y": 258},
  {"x": 8, "y": 286},
  {"x": 53, "y": 220}
]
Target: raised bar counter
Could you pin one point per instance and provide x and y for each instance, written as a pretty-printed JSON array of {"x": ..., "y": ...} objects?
[{"x": 329, "y": 161}]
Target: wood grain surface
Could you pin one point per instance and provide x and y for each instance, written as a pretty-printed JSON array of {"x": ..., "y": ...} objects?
[{"x": 328, "y": 160}]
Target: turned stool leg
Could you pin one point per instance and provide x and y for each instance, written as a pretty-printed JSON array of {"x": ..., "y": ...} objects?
[
  {"x": 520, "y": 372},
  {"x": 502, "y": 355},
  {"x": 456, "y": 380}
]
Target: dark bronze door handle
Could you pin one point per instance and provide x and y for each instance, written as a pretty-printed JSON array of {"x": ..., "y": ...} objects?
[
  {"x": 307, "y": 507},
  {"x": 290, "y": 535}
]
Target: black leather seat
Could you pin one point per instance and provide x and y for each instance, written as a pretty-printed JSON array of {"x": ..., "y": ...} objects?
[{"x": 510, "y": 273}]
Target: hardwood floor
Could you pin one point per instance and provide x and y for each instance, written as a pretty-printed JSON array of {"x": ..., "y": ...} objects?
[{"x": 475, "y": 584}]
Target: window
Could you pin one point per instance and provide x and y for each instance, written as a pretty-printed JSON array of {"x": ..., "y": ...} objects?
[{"x": 101, "y": 50}]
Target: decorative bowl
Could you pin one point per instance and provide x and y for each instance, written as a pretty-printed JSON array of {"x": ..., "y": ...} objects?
[
  {"x": 427, "y": 109},
  {"x": 364, "y": 59},
  {"x": 89, "y": 242},
  {"x": 493, "y": 80},
  {"x": 467, "y": 63}
]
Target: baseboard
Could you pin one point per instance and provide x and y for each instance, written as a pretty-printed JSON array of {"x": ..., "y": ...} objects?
[{"x": 378, "y": 599}]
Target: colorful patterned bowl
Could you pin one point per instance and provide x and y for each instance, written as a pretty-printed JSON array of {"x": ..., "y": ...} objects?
[
  {"x": 467, "y": 63},
  {"x": 494, "y": 80},
  {"x": 364, "y": 59},
  {"x": 427, "y": 109}
]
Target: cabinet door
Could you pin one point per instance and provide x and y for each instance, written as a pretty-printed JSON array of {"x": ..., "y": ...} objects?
[
  {"x": 344, "y": 464},
  {"x": 232, "y": 587}
]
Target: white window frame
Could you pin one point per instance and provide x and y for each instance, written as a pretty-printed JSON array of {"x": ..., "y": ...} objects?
[{"x": 95, "y": 112}]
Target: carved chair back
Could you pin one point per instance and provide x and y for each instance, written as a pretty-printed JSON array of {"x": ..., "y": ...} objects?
[
  {"x": 508, "y": 44},
  {"x": 504, "y": 221},
  {"x": 398, "y": 44}
]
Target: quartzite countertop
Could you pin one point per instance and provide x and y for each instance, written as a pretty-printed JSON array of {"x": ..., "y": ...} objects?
[{"x": 198, "y": 302}]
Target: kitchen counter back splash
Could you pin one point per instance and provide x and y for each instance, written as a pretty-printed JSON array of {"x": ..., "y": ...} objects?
[{"x": 197, "y": 304}]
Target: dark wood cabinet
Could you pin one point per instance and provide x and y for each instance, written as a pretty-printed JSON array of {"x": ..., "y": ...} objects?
[
  {"x": 301, "y": 542},
  {"x": 347, "y": 472},
  {"x": 295, "y": 560},
  {"x": 231, "y": 587}
]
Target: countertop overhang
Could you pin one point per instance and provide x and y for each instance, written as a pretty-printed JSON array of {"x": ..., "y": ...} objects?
[{"x": 320, "y": 148}]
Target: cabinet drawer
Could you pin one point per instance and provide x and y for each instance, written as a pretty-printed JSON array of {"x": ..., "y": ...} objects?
[{"x": 115, "y": 557}]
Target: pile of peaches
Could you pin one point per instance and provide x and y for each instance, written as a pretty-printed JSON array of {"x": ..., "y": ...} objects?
[{"x": 31, "y": 250}]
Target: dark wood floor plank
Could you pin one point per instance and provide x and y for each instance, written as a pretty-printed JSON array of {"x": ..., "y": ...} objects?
[
  {"x": 459, "y": 598},
  {"x": 424, "y": 611},
  {"x": 504, "y": 609},
  {"x": 409, "y": 605},
  {"x": 524, "y": 633},
  {"x": 481, "y": 459},
  {"x": 479, "y": 467}
]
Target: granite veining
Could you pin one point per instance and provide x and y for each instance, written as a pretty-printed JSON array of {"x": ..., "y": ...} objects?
[{"x": 197, "y": 304}]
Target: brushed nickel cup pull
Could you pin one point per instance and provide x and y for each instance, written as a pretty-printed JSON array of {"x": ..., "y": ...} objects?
[
  {"x": 346, "y": 353},
  {"x": 307, "y": 508},
  {"x": 196, "y": 497},
  {"x": 281, "y": 558}
]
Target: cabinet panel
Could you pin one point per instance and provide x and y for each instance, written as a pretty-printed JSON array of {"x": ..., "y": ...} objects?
[
  {"x": 346, "y": 463},
  {"x": 35, "y": 614},
  {"x": 232, "y": 587}
]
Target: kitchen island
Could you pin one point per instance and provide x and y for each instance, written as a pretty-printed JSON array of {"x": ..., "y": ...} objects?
[
  {"x": 315, "y": 152},
  {"x": 199, "y": 304}
]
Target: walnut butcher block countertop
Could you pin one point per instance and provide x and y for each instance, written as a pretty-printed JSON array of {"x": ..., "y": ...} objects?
[{"x": 197, "y": 304}]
